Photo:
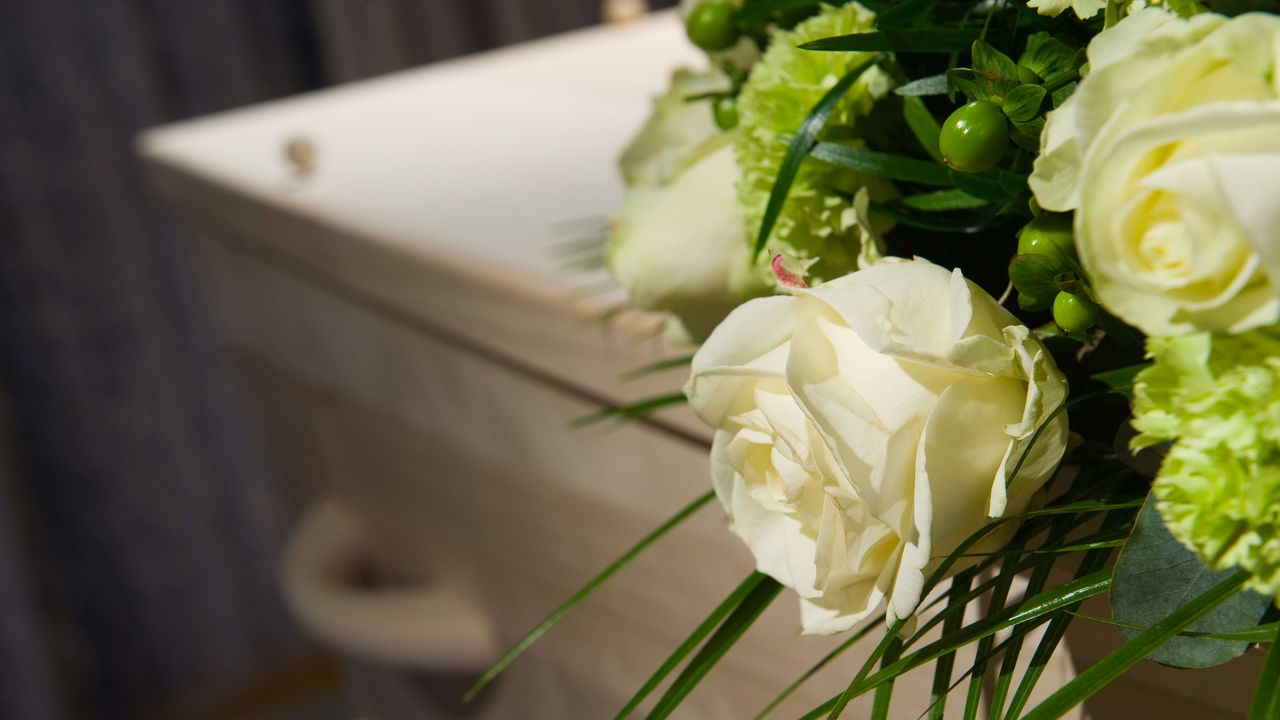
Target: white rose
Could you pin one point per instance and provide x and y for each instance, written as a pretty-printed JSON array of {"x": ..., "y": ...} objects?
[
  {"x": 866, "y": 427},
  {"x": 682, "y": 247},
  {"x": 1169, "y": 152}
]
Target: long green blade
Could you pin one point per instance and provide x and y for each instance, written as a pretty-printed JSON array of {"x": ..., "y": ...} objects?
[
  {"x": 1092, "y": 561},
  {"x": 1039, "y": 606},
  {"x": 894, "y": 167},
  {"x": 890, "y": 637},
  {"x": 860, "y": 634},
  {"x": 728, "y": 633},
  {"x": 945, "y": 664},
  {"x": 1261, "y": 634},
  {"x": 541, "y": 628},
  {"x": 724, "y": 608},
  {"x": 1266, "y": 696},
  {"x": 659, "y": 366},
  {"x": 631, "y": 411},
  {"x": 1127, "y": 655},
  {"x": 800, "y": 145},
  {"x": 999, "y": 596},
  {"x": 884, "y": 693},
  {"x": 923, "y": 41}
]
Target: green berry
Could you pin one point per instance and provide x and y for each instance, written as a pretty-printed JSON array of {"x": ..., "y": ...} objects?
[
  {"x": 713, "y": 25},
  {"x": 726, "y": 112},
  {"x": 1074, "y": 313},
  {"x": 974, "y": 137},
  {"x": 1048, "y": 235}
]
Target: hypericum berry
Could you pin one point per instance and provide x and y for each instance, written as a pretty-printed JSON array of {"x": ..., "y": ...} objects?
[
  {"x": 1074, "y": 313},
  {"x": 713, "y": 25},
  {"x": 1048, "y": 235},
  {"x": 726, "y": 112},
  {"x": 974, "y": 137}
]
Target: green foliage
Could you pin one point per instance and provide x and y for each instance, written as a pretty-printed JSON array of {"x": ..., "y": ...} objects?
[
  {"x": 631, "y": 411},
  {"x": 902, "y": 41},
  {"x": 1155, "y": 574},
  {"x": 748, "y": 588},
  {"x": 1143, "y": 644},
  {"x": 1038, "y": 280}
]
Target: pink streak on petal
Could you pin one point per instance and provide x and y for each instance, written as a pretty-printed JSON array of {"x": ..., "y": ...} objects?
[{"x": 785, "y": 276}]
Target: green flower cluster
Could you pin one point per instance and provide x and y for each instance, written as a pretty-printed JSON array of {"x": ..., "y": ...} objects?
[
  {"x": 818, "y": 219},
  {"x": 1217, "y": 397}
]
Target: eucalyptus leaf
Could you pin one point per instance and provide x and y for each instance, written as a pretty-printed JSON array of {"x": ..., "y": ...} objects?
[
  {"x": 1086, "y": 684},
  {"x": 1155, "y": 575}
]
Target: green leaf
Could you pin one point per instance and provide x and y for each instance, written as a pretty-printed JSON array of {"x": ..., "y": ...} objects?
[
  {"x": 923, "y": 125},
  {"x": 1037, "y": 276},
  {"x": 999, "y": 596},
  {"x": 1126, "y": 656},
  {"x": 728, "y": 633},
  {"x": 866, "y": 629},
  {"x": 799, "y": 146},
  {"x": 894, "y": 167},
  {"x": 1092, "y": 561},
  {"x": 752, "y": 9},
  {"x": 1023, "y": 103},
  {"x": 1260, "y": 634},
  {"x": 730, "y": 603},
  {"x": 945, "y": 664},
  {"x": 631, "y": 411},
  {"x": 884, "y": 693},
  {"x": 1027, "y": 134},
  {"x": 1045, "y": 603},
  {"x": 1120, "y": 379},
  {"x": 995, "y": 74},
  {"x": 997, "y": 186},
  {"x": 1155, "y": 574},
  {"x": 541, "y": 628},
  {"x": 656, "y": 367},
  {"x": 903, "y": 13},
  {"x": 952, "y": 226},
  {"x": 966, "y": 81},
  {"x": 902, "y": 41},
  {"x": 1266, "y": 695},
  {"x": 1048, "y": 57},
  {"x": 932, "y": 85},
  {"x": 951, "y": 199}
]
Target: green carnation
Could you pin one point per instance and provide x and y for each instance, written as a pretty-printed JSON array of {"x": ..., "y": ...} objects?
[
  {"x": 1217, "y": 397},
  {"x": 818, "y": 219}
]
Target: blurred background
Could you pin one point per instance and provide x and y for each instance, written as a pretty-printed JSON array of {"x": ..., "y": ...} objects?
[{"x": 140, "y": 524}]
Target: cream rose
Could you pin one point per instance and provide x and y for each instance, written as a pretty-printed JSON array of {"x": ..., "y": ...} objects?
[
  {"x": 866, "y": 427},
  {"x": 1169, "y": 152}
]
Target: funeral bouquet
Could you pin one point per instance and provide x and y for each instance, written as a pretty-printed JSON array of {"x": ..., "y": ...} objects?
[{"x": 981, "y": 289}]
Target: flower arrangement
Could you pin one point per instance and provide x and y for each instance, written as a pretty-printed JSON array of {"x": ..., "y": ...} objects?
[{"x": 980, "y": 288}]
